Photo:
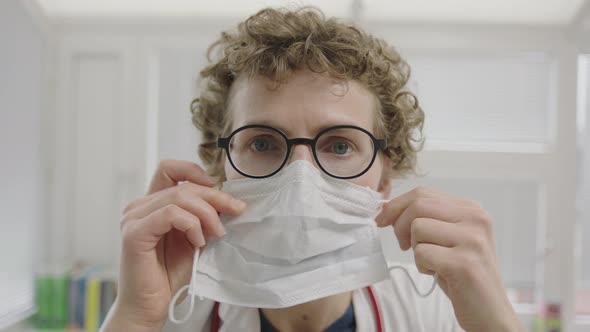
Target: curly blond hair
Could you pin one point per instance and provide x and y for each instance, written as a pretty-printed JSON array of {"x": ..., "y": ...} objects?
[{"x": 274, "y": 43}]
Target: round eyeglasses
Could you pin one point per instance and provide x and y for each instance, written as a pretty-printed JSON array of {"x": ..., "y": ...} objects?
[{"x": 260, "y": 151}]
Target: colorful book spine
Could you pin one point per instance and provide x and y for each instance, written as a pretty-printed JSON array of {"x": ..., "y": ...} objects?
[
  {"x": 72, "y": 303},
  {"x": 42, "y": 318},
  {"x": 59, "y": 301},
  {"x": 92, "y": 306},
  {"x": 77, "y": 299},
  {"x": 107, "y": 297},
  {"x": 51, "y": 300},
  {"x": 80, "y": 302}
]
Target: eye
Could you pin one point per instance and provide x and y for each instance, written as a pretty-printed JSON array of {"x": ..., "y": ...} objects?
[
  {"x": 340, "y": 148},
  {"x": 261, "y": 144}
]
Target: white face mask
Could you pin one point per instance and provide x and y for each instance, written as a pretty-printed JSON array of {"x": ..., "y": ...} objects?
[{"x": 303, "y": 236}]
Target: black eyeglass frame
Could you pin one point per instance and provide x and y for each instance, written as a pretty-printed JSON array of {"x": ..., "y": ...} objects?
[{"x": 378, "y": 145}]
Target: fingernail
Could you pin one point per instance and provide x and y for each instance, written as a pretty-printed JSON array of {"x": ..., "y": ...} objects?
[
  {"x": 201, "y": 240},
  {"x": 238, "y": 204},
  {"x": 404, "y": 246},
  {"x": 220, "y": 230}
]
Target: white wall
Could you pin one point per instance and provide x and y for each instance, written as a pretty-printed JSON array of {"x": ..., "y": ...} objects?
[
  {"x": 22, "y": 47},
  {"x": 122, "y": 92},
  {"x": 583, "y": 202}
]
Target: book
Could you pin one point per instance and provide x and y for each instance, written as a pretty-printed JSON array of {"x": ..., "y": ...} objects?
[
  {"x": 72, "y": 302},
  {"x": 77, "y": 298},
  {"x": 108, "y": 292},
  {"x": 51, "y": 293},
  {"x": 92, "y": 304}
]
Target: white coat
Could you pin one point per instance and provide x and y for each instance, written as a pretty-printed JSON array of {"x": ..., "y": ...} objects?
[{"x": 401, "y": 309}]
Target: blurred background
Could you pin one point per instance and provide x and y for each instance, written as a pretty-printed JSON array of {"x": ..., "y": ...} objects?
[{"x": 94, "y": 93}]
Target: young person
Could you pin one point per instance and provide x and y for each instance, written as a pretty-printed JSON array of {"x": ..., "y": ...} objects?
[{"x": 305, "y": 121}]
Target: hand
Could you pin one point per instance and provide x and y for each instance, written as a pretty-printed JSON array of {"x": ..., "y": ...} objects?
[
  {"x": 160, "y": 232},
  {"x": 453, "y": 237}
]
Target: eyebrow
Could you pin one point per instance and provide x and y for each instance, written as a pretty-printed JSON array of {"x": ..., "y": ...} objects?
[
  {"x": 316, "y": 129},
  {"x": 268, "y": 123}
]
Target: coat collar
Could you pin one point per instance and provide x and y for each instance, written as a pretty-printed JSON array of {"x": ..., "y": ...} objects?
[{"x": 236, "y": 318}]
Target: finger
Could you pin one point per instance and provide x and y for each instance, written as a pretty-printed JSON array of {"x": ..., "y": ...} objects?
[
  {"x": 187, "y": 192},
  {"x": 424, "y": 270},
  {"x": 431, "y": 258},
  {"x": 153, "y": 227},
  {"x": 191, "y": 198},
  {"x": 426, "y": 230},
  {"x": 222, "y": 201},
  {"x": 170, "y": 172},
  {"x": 200, "y": 209},
  {"x": 444, "y": 211},
  {"x": 395, "y": 207},
  {"x": 209, "y": 218},
  {"x": 442, "y": 283}
]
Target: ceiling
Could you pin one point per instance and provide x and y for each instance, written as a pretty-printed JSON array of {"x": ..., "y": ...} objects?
[{"x": 455, "y": 11}]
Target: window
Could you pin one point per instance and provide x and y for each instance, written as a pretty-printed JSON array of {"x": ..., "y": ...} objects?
[{"x": 500, "y": 102}]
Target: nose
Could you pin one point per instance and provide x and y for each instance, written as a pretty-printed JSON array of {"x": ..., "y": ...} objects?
[{"x": 301, "y": 152}]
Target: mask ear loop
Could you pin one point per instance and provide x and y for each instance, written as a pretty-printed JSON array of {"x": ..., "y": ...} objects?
[
  {"x": 191, "y": 307},
  {"x": 391, "y": 268},
  {"x": 434, "y": 282}
]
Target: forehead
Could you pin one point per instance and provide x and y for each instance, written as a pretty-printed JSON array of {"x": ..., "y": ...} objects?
[{"x": 305, "y": 104}]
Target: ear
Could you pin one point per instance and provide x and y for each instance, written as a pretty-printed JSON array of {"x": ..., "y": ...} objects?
[{"x": 385, "y": 183}]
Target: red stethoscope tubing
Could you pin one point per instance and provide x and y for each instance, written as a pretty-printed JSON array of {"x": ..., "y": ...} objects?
[{"x": 216, "y": 323}]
